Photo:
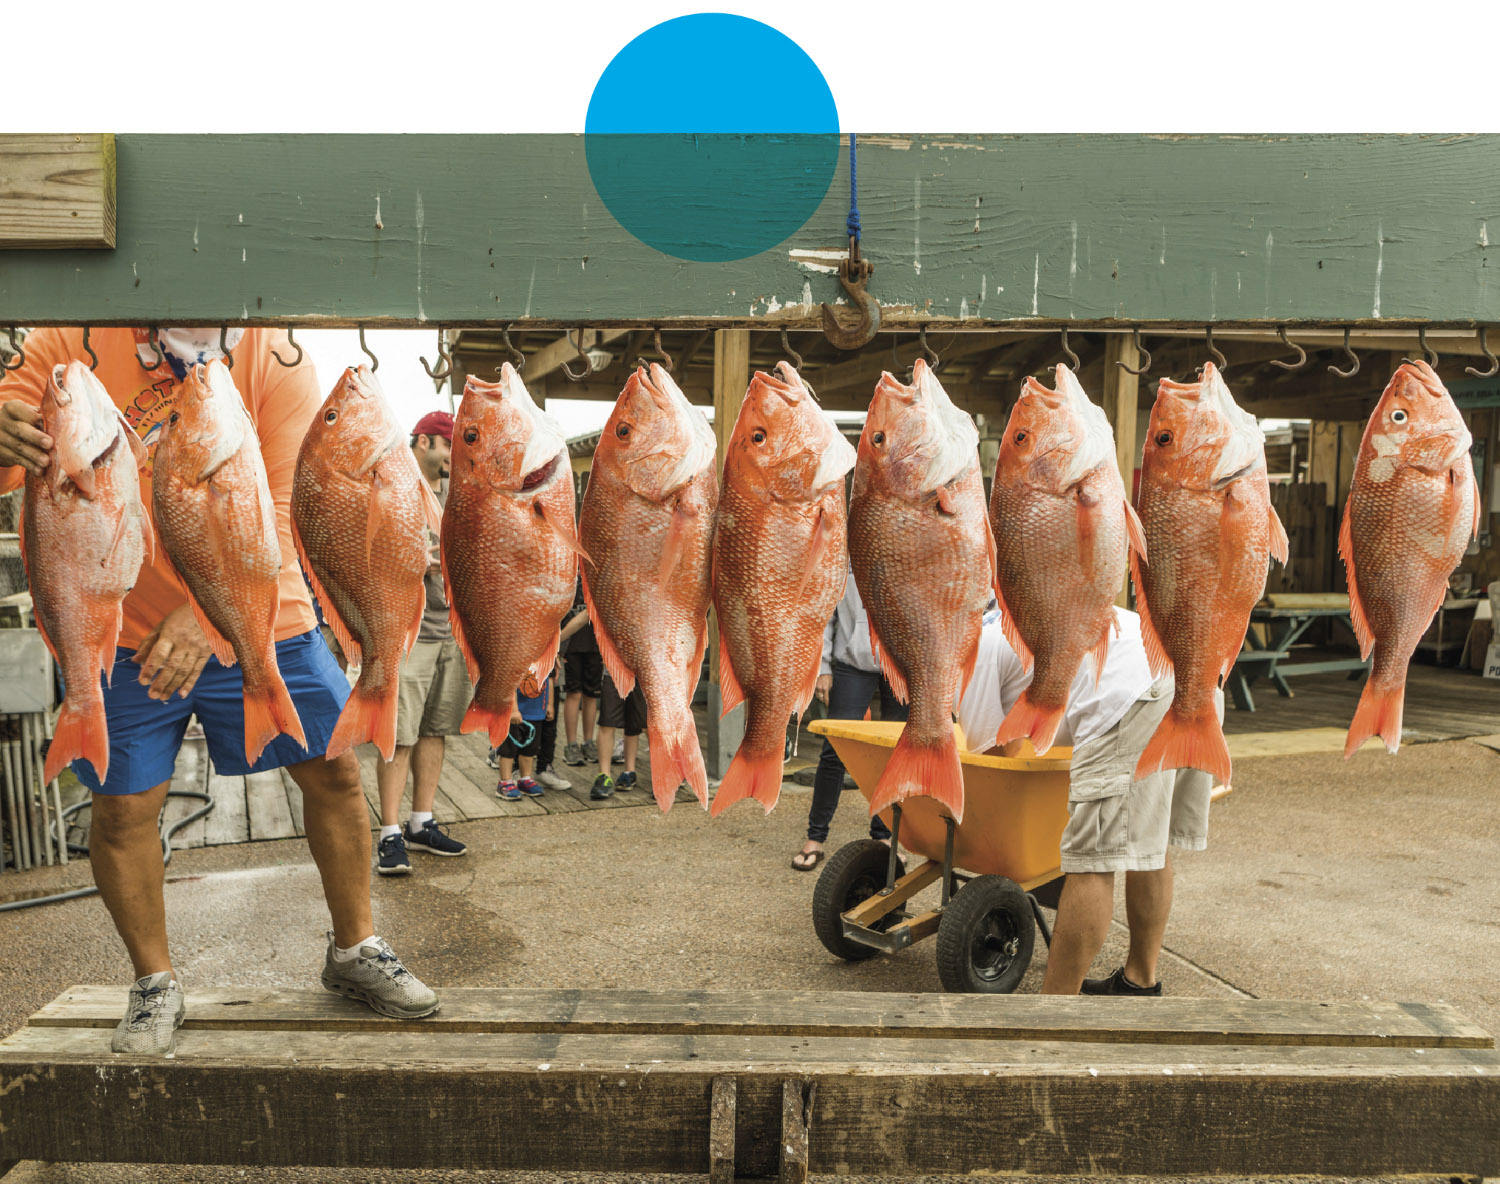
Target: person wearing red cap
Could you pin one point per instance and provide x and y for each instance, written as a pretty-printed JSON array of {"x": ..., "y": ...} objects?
[{"x": 434, "y": 692}]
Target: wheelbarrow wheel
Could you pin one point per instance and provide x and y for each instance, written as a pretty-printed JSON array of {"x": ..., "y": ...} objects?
[
  {"x": 986, "y": 936},
  {"x": 853, "y": 874}
]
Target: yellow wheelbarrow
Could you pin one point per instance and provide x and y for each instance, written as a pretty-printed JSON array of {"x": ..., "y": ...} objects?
[{"x": 1015, "y": 810}]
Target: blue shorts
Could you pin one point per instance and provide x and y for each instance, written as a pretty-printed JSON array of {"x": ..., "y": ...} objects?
[{"x": 145, "y": 733}]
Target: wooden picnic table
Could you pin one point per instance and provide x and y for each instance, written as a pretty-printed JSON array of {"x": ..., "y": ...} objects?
[{"x": 1284, "y": 626}]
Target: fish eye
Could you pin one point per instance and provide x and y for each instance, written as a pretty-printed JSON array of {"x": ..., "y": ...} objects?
[
  {"x": 1020, "y": 437},
  {"x": 758, "y": 435},
  {"x": 623, "y": 431},
  {"x": 1163, "y": 438},
  {"x": 878, "y": 438},
  {"x": 1398, "y": 416},
  {"x": 172, "y": 418},
  {"x": 471, "y": 435},
  {"x": 331, "y": 416}
]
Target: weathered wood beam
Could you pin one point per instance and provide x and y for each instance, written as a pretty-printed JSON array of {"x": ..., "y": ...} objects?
[
  {"x": 57, "y": 191},
  {"x": 864, "y": 371}
]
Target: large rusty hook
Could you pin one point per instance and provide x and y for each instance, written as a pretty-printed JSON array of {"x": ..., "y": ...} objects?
[
  {"x": 666, "y": 358},
  {"x": 445, "y": 360},
  {"x": 1301, "y": 353},
  {"x": 588, "y": 365},
  {"x": 1494, "y": 361},
  {"x": 1072, "y": 357},
  {"x": 1208, "y": 334},
  {"x": 224, "y": 346},
  {"x": 1352, "y": 356},
  {"x": 374, "y": 361},
  {"x": 1140, "y": 349},
  {"x": 854, "y": 275},
  {"x": 155, "y": 348},
  {"x": 20, "y": 350},
  {"x": 786, "y": 347},
  {"x": 89, "y": 349}
]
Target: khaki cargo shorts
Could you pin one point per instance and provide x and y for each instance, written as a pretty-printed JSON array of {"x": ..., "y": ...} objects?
[
  {"x": 435, "y": 692},
  {"x": 1119, "y": 824}
]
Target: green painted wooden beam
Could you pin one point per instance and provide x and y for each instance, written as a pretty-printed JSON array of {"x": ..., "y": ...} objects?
[{"x": 993, "y": 230}]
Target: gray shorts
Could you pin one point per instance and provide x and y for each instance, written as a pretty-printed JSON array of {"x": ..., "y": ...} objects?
[
  {"x": 435, "y": 692},
  {"x": 1119, "y": 824}
]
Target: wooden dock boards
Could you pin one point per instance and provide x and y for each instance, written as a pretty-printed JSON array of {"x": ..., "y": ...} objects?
[{"x": 767, "y": 1083}]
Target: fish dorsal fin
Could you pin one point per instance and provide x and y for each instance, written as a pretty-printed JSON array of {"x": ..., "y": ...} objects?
[
  {"x": 620, "y": 674},
  {"x": 1156, "y": 653},
  {"x": 1281, "y": 547},
  {"x": 1357, "y": 616},
  {"x": 351, "y": 648},
  {"x": 888, "y": 665}
]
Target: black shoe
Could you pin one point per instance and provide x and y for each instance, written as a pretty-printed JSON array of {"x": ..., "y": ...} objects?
[
  {"x": 1117, "y": 984},
  {"x": 433, "y": 839},
  {"x": 393, "y": 860},
  {"x": 603, "y": 788},
  {"x": 626, "y": 780}
]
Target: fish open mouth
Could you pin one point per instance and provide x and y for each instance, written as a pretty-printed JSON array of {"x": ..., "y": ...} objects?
[{"x": 538, "y": 476}]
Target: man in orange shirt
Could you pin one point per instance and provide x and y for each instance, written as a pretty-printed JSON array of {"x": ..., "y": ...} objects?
[{"x": 164, "y": 674}]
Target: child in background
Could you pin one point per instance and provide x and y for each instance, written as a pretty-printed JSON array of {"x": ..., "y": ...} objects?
[
  {"x": 548, "y": 734},
  {"x": 523, "y": 743}
]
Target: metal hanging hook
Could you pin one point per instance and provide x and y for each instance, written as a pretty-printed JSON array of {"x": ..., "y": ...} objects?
[
  {"x": 1140, "y": 349},
  {"x": 1208, "y": 334},
  {"x": 224, "y": 346},
  {"x": 1301, "y": 353},
  {"x": 445, "y": 360},
  {"x": 374, "y": 361},
  {"x": 1072, "y": 357},
  {"x": 786, "y": 348},
  {"x": 1494, "y": 361},
  {"x": 89, "y": 349},
  {"x": 156, "y": 349},
  {"x": 854, "y": 275},
  {"x": 588, "y": 366},
  {"x": 1431, "y": 355},
  {"x": 19, "y": 349},
  {"x": 291, "y": 340},
  {"x": 666, "y": 358},
  {"x": 933, "y": 361},
  {"x": 518, "y": 359},
  {"x": 1351, "y": 355}
]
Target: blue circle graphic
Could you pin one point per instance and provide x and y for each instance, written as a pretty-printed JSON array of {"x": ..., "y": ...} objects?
[{"x": 712, "y": 137}]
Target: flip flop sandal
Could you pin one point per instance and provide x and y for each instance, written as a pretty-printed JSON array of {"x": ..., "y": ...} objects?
[{"x": 813, "y": 859}]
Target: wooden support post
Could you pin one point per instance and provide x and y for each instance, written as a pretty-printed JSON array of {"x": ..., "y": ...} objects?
[
  {"x": 57, "y": 190},
  {"x": 794, "y": 1133},
  {"x": 731, "y": 377},
  {"x": 1121, "y": 393},
  {"x": 721, "y": 1132}
]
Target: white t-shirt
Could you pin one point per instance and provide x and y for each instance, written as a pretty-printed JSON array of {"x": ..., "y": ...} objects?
[{"x": 1092, "y": 710}]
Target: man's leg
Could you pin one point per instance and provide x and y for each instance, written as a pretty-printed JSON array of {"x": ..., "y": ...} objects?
[
  {"x": 847, "y": 699},
  {"x": 125, "y": 852},
  {"x": 426, "y": 769},
  {"x": 590, "y": 714},
  {"x": 632, "y": 744},
  {"x": 1148, "y": 902},
  {"x": 390, "y": 778},
  {"x": 338, "y": 833},
  {"x": 1083, "y": 917},
  {"x": 606, "y": 748},
  {"x": 570, "y": 716}
]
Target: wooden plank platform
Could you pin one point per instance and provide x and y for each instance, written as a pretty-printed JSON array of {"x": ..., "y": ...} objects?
[{"x": 793, "y": 1082}]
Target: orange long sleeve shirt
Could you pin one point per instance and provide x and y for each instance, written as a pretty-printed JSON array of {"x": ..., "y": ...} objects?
[{"x": 281, "y": 400}]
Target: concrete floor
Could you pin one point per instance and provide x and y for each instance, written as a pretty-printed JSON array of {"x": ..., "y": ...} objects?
[{"x": 1323, "y": 880}]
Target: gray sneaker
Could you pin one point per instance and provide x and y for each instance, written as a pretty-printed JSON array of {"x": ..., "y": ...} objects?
[
  {"x": 152, "y": 1016},
  {"x": 553, "y": 780},
  {"x": 590, "y": 752},
  {"x": 378, "y": 978},
  {"x": 573, "y": 754}
]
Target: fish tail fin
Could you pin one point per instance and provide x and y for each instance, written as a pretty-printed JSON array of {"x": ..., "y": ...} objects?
[
  {"x": 928, "y": 768},
  {"x": 485, "y": 716},
  {"x": 270, "y": 712},
  {"x": 1031, "y": 720},
  {"x": 82, "y": 733},
  {"x": 1187, "y": 742},
  {"x": 367, "y": 716},
  {"x": 750, "y": 775},
  {"x": 675, "y": 758},
  {"x": 1378, "y": 714}
]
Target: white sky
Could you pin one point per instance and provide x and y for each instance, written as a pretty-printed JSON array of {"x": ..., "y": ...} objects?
[{"x": 962, "y": 66}]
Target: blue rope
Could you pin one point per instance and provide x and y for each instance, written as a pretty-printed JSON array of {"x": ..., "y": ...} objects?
[{"x": 853, "y": 222}]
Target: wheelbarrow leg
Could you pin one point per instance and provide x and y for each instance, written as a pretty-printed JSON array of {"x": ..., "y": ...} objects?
[
  {"x": 948, "y": 861},
  {"x": 890, "y": 867},
  {"x": 1041, "y": 921}
]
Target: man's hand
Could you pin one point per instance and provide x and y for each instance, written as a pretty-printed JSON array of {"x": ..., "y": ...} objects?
[
  {"x": 22, "y": 441},
  {"x": 173, "y": 655},
  {"x": 824, "y": 685}
]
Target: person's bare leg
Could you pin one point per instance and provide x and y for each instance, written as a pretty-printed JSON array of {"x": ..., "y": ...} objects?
[
  {"x": 507, "y": 768},
  {"x": 590, "y": 716},
  {"x": 125, "y": 852},
  {"x": 570, "y": 716},
  {"x": 390, "y": 778},
  {"x": 632, "y": 744},
  {"x": 1148, "y": 901},
  {"x": 528, "y": 766},
  {"x": 338, "y": 834},
  {"x": 1083, "y": 917},
  {"x": 606, "y": 748},
  {"x": 426, "y": 769}
]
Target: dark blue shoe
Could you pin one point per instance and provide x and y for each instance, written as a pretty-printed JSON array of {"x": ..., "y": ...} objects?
[
  {"x": 433, "y": 840},
  {"x": 625, "y": 780},
  {"x": 508, "y": 791},
  {"x": 530, "y": 787},
  {"x": 393, "y": 860}
]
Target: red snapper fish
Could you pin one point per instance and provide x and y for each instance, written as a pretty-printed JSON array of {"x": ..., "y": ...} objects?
[
  {"x": 84, "y": 536},
  {"x": 923, "y": 558},
  {"x": 1205, "y": 507},
  {"x": 510, "y": 544},
  {"x": 360, "y": 514},
  {"x": 1413, "y": 507},
  {"x": 779, "y": 563},
  {"x": 214, "y": 514},
  {"x": 648, "y": 526},
  {"x": 1062, "y": 526}
]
